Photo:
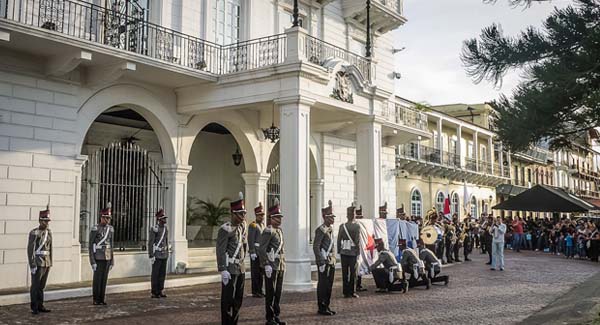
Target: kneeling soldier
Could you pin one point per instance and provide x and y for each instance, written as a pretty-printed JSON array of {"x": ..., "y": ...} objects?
[
  {"x": 101, "y": 254},
  {"x": 324, "y": 250},
  {"x": 272, "y": 260},
  {"x": 158, "y": 251},
  {"x": 433, "y": 266},
  {"x": 411, "y": 264},
  {"x": 231, "y": 250},
  {"x": 387, "y": 278},
  {"x": 39, "y": 255}
]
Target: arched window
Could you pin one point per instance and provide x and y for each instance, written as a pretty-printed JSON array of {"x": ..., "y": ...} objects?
[
  {"x": 455, "y": 206},
  {"x": 474, "y": 206},
  {"x": 416, "y": 203},
  {"x": 439, "y": 201}
]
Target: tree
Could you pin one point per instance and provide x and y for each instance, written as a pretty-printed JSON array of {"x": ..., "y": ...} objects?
[{"x": 560, "y": 95}]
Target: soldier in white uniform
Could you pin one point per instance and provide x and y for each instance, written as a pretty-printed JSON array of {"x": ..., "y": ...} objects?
[
  {"x": 101, "y": 245},
  {"x": 255, "y": 229},
  {"x": 39, "y": 257},
  {"x": 158, "y": 252},
  {"x": 232, "y": 245},
  {"x": 324, "y": 249}
]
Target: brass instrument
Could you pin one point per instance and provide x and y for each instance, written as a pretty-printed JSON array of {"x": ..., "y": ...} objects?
[
  {"x": 429, "y": 235},
  {"x": 428, "y": 215}
]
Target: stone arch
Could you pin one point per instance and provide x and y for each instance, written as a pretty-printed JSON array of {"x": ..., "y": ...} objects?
[
  {"x": 236, "y": 124},
  {"x": 162, "y": 120}
]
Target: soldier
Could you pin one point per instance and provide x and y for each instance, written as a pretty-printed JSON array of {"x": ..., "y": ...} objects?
[
  {"x": 100, "y": 249},
  {"x": 39, "y": 256},
  {"x": 255, "y": 229},
  {"x": 387, "y": 278},
  {"x": 412, "y": 264},
  {"x": 158, "y": 251},
  {"x": 383, "y": 211},
  {"x": 400, "y": 214},
  {"x": 272, "y": 258},
  {"x": 359, "y": 287},
  {"x": 458, "y": 241},
  {"x": 450, "y": 239},
  {"x": 232, "y": 246},
  {"x": 324, "y": 249},
  {"x": 433, "y": 266},
  {"x": 347, "y": 243},
  {"x": 469, "y": 229},
  {"x": 438, "y": 224}
]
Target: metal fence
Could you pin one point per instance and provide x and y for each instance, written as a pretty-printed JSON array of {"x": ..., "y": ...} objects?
[
  {"x": 318, "y": 51},
  {"x": 125, "y": 175},
  {"x": 273, "y": 186}
]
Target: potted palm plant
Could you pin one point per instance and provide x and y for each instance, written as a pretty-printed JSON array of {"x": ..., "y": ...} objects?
[
  {"x": 193, "y": 219},
  {"x": 212, "y": 215}
]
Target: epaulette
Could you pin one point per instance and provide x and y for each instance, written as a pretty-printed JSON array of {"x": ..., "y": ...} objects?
[
  {"x": 268, "y": 229},
  {"x": 155, "y": 228},
  {"x": 94, "y": 228},
  {"x": 35, "y": 231},
  {"x": 227, "y": 227},
  {"x": 253, "y": 224}
]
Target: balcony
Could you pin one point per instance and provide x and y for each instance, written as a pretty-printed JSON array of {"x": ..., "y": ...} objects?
[
  {"x": 386, "y": 15},
  {"x": 424, "y": 160},
  {"x": 535, "y": 155},
  {"x": 588, "y": 194},
  {"x": 405, "y": 116},
  {"x": 51, "y": 28}
]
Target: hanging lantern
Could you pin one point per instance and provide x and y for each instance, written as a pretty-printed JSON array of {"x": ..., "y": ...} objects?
[
  {"x": 272, "y": 133},
  {"x": 237, "y": 157}
]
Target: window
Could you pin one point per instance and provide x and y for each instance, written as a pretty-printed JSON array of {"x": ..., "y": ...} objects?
[
  {"x": 226, "y": 21},
  {"x": 435, "y": 142},
  {"x": 470, "y": 153},
  {"x": 455, "y": 204},
  {"x": 483, "y": 154},
  {"x": 286, "y": 20},
  {"x": 516, "y": 175},
  {"x": 439, "y": 201},
  {"x": 473, "y": 206},
  {"x": 416, "y": 204}
]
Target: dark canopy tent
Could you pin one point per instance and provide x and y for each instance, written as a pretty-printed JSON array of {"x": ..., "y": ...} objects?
[{"x": 543, "y": 198}]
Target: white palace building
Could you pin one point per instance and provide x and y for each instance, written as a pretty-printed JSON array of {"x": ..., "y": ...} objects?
[{"x": 151, "y": 104}]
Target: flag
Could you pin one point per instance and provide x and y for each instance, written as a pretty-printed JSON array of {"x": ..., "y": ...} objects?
[
  {"x": 466, "y": 200},
  {"x": 447, "y": 213},
  {"x": 368, "y": 251}
]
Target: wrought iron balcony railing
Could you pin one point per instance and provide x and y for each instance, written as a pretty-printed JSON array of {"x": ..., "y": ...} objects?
[
  {"x": 394, "y": 5},
  {"x": 318, "y": 52},
  {"x": 403, "y": 115}
]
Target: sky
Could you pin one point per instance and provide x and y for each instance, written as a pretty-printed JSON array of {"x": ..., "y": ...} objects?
[{"x": 431, "y": 69}]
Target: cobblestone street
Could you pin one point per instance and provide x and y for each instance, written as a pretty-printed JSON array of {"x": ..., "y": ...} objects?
[{"x": 475, "y": 295}]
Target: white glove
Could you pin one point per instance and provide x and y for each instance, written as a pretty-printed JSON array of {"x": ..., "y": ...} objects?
[
  {"x": 361, "y": 272},
  {"x": 322, "y": 268},
  {"x": 110, "y": 267},
  {"x": 33, "y": 270},
  {"x": 253, "y": 256},
  {"x": 268, "y": 271},
  {"x": 225, "y": 277},
  {"x": 152, "y": 259},
  {"x": 94, "y": 267}
]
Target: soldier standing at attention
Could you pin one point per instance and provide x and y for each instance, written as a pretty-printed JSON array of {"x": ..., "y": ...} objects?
[
  {"x": 359, "y": 287},
  {"x": 324, "y": 249},
  {"x": 101, "y": 254},
  {"x": 158, "y": 251},
  {"x": 272, "y": 258},
  {"x": 255, "y": 229},
  {"x": 232, "y": 245},
  {"x": 39, "y": 256},
  {"x": 347, "y": 243},
  {"x": 383, "y": 211}
]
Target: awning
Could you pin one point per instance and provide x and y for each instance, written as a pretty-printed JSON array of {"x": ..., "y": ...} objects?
[
  {"x": 510, "y": 190},
  {"x": 543, "y": 198}
]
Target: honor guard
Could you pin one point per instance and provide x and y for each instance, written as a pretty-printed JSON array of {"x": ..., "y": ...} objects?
[
  {"x": 232, "y": 246},
  {"x": 324, "y": 249},
  {"x": 433, "y": 266},
  {"x": 359, "y": 287},
  {"x": 386, "y": 270},
  {"x": 39, "y": 257},
  {"x": 272, "y": 258},
  {"x": 411, "y": 264},
  {"x": 383, "y": 211},
  {"x": 158, "y": 251},
  {"x": 400, "y": 214},
  {"x": 101, "y": 253},
  {"x": 255, "y": 229},
  {"x": 347, "y": 243}
]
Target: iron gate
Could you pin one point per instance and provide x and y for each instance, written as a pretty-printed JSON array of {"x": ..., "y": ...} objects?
[
  {"x": 125, "y": 175},
  {"x": 273, "y": 188}
]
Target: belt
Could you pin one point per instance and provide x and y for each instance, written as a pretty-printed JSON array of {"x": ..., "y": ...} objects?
[
  {"x": 42, "y": 253},
  {"x": 235, "y": 261},
  {"x": 159, "y": 249}
]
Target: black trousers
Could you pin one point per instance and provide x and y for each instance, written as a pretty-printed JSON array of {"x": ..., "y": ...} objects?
[
  {"x": 38, "y": 283},
  {"x": 449, "y": 250},
  {"x": 467, "y": 248},
  {"x": 349, "y": 264},
  {"x": 324, "y": 285},
  {"x": 438, "y": 278},
  {"x": 159, "y": 272},
  {"x": 382, "y": 280},
  {"x": 488, "y": 248},
  {"x": 231, "y": 299},
  {"x": 100, "y": 279},
  {"x": 273, "y": 286},
  {"x": 415, "y": 279},
  {"x": 359, "y": 282},
  {"x": 257, "y": 276},
  {"x": 456, "y": 248},
  {"x": 439, "y": 249}
]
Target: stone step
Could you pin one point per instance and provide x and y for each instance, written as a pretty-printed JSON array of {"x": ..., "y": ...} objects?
[{"x": 202, "y": 259}]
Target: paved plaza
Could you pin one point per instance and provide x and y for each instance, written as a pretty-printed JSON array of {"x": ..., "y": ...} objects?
[{"x": 475, "y": 295}]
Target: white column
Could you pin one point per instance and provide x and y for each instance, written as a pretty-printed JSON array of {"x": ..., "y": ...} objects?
[
  {"x": 316, "y": 190},
  {"x": 501, "y": 158},
  {"x": 293, "y": 158},
  {"x": 459, "y": 151},
  {"x": 175, "y": 209},
  {"x": 476, "y": 149},
  {"x": 491, "y": 155},
  {"x": 255, "y": 187},
  {"x": 75, "y": 244},
  {"x": 368, "y": 167},
  {"x": 440, "y": 138}
]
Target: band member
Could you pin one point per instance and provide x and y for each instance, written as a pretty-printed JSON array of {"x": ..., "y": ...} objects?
[
  {"x": 232, "y": 245},
  {"x": 412, "y": 265},
  {"x": 383, "y": 211},
  {"x": 324, "y": 249},
  {"x": 487, "y": 236},
  {"x": 459, "y": 237},
  {"x": 347, "y": 243},
  {"x": 433, "y": 266},
  {"x": 158, "y": 251},
  {"x": 449, "y": 238},
  {"x": 387, "y": 278},
  {"x": 101, "y": 254},
  {"x": 255, "y": 229},
  {"x": 359, "y": 287},
  {"x": 468, "y": 239},
  {"x": 272, "y": 258},
  {"x": 39, "y": 257}
]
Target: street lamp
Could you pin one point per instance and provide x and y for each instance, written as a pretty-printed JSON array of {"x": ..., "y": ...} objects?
[
  {"x": 295, "y": 23},
  {"x": 368, "y": 43}
]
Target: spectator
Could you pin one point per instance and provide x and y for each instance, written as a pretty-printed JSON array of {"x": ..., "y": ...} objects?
[
  {"x": 517, "y": 230},
  {"x": 498, "y": 231},
  {"x": 569, "y": 246},
  {"x": 528, "y": 241}
]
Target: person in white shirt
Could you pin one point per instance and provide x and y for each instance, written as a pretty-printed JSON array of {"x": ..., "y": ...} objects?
[{"x": 498, "y": 230}]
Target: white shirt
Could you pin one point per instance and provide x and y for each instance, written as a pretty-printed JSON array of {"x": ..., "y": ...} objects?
[{"x": 499, "y": 231}]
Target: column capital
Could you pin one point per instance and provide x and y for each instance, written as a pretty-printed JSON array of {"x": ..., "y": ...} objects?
[
  {"x": 317, "y": 182},
  {"x": 300, "y": 100},
  {"x": 255, "y": 178},
  {"x": 79, "y": 160},
  {"x": 176, "y": 170}
]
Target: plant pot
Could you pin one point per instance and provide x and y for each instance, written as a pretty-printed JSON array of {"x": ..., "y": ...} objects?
[
  {"x": 206, "y": 232},
  {"x": 192, "y": 231}
]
